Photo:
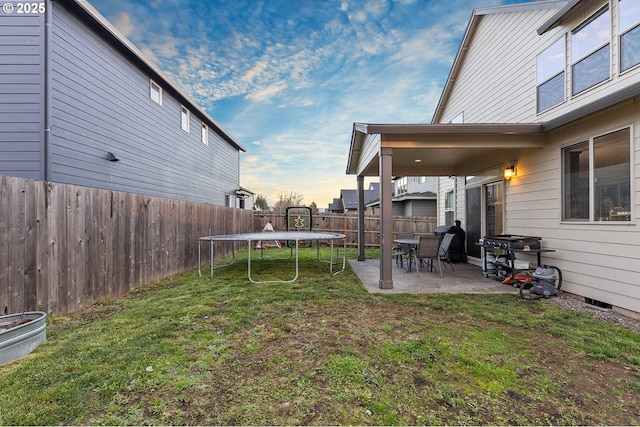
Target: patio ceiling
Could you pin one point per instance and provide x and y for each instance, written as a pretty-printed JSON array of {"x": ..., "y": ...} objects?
[{"x": 442, "y": 149}]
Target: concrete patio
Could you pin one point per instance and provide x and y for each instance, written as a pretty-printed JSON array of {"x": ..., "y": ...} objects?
[{"x": 466, "y": 278}]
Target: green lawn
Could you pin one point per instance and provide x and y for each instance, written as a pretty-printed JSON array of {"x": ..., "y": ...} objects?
[{"x": 189, "y": 350}]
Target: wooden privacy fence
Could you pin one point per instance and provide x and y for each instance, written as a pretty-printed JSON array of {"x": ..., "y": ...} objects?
[
  {"x": 64, "y": 247},
  {"x": 347, "y": 224}
]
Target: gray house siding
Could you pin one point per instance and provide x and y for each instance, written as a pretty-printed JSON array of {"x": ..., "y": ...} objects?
[
  {"x": 426, "y": 208},
  {"x": 101, "y": 104},
  {"x": 97, "y": 100},
  {"x": 21, "y": 95}
]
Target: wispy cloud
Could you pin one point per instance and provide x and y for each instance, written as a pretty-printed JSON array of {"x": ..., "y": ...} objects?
[{"x": 291, "y": 77}]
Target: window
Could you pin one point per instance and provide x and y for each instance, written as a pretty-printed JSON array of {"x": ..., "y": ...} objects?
[
  {"x": 401, "y": 185},
  {"x": 629, "y": 29},
  {"x": 550, "y": 75},
  {"x": 155, "y": 92},
  {"x": 448, "y": 208},
  {"x": 597, "y": 179},
  {"x": 590, "y": 56},
  {"x": 204, "y": 137},
  {"x": 184, "y": 119}
]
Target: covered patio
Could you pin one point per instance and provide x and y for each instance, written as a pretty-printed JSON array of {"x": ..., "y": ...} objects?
[{"x": 457, "y": 150}]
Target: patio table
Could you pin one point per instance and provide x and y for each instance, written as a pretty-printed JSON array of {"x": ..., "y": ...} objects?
[
  {"x": 414, "y": 245},
  {"x": 289, "y": 236}
]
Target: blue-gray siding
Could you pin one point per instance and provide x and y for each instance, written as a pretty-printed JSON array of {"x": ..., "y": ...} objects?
[
  {"x": 21, "y": 95},
  {"x": 101, "y": 104}
]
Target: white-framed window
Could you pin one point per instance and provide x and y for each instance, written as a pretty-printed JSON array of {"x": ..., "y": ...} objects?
[
  {"x": 550, "y": 75},
  {"x": 155, "y": 92},
  {"x": 204, "y": 136},
  {"x": 596, "y": 178},
  {"x": 590, "y": 51},
  {"x": 629, "y": 30},
  {"x": 448, "y": 208},
  {"x": 184, "y": 118},
  {"x": 401, "y": 185}
]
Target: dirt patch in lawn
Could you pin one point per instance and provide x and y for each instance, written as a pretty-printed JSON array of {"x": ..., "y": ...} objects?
[{"x": 404, "y": 363}]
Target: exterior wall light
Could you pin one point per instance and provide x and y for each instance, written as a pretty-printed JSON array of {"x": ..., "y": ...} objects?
[{"x": 509, "y": 172}]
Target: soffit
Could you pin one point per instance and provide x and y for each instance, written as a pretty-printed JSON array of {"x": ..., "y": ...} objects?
[{"x": 447, "y": 150}]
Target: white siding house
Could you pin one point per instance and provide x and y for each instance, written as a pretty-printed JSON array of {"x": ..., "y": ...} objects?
[{"x": 551, "y": 88}]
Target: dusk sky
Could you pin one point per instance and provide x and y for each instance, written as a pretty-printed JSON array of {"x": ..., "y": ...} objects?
[{"x": 288, "y": 78}]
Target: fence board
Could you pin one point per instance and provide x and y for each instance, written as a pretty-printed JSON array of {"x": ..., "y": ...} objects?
[
  {"x": 5, "y": 211},
  {"x": 29, "y": 243},
  {"x": 41, "y": 246},
  {"x": 16, "y": 244}
]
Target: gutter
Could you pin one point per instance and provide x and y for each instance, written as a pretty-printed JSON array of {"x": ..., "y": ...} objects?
[
  {"x": 47, "y": 89},
  {"x": 551, "y": 22}
]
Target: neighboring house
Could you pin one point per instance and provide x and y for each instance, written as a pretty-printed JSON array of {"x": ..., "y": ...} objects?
[
  {"x": 413, "y": 196},
  {"x": 246, "y": 199},
  {"x": 79, "y": 104},
  {"x": 348, "y": 201},
  {"x": 547, "y": 90}
]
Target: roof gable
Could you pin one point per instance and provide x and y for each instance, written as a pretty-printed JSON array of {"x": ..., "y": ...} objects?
[{"x": 514, "y": 13}]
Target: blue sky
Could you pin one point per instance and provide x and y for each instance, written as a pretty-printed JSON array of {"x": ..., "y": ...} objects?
[{"x": 288, "y": 78}]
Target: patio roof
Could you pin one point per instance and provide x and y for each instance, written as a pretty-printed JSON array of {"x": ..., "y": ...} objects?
[
  {"x": 387, "y": 150},
  {"x": 441, "y": 149}
]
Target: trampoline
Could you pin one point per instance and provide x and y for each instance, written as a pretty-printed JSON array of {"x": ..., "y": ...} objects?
[{"x": 290, "y": 236}]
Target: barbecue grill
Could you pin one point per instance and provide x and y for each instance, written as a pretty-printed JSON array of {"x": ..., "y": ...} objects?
[
  {"x": 509, "y": 242},
  {"x": 506, "y": 244}
]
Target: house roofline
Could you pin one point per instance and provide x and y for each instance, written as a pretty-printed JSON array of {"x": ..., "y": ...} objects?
[
  {"x": 92, "y": 17},
  {"x": 449, "y": 128},
  {"x": 468, "y": 35},
  {"x": 406, "y": 196},
  {"x": 557, "y": 17},
  {"x": 622, "y": 95}
]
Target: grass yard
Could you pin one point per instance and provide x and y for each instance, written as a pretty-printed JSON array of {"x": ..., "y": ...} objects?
[{"x": 321, "y": 351}]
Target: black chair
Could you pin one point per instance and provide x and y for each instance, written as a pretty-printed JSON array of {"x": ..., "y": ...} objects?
[
  {"x": 402, "y": 251},
  {"x": 443, "y": 252}
]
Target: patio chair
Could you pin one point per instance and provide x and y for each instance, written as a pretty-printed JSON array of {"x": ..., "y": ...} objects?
[
  {"x": 427, "y": 251},
  {"x": 443, "y": 252},
  {"x": 402, "y": 251}
]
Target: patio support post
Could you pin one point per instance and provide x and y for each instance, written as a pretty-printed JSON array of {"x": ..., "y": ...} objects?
[
  {"x": 361, "y": 209},
  {"x": 386, "y": 219}
]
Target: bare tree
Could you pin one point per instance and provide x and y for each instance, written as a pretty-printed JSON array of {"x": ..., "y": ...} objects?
[{"x": 288, "y": 199}]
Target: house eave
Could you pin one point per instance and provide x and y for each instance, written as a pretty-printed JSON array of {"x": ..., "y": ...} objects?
[
  {"x": 97, "y": 22},
  {"x": 557, "y": 17},
  {"x": 628, "y": 93}
]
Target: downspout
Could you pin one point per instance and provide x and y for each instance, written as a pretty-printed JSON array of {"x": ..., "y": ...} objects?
[
  {"x": 48, "y": 13},
  {"x": 455, "y": 198}
]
